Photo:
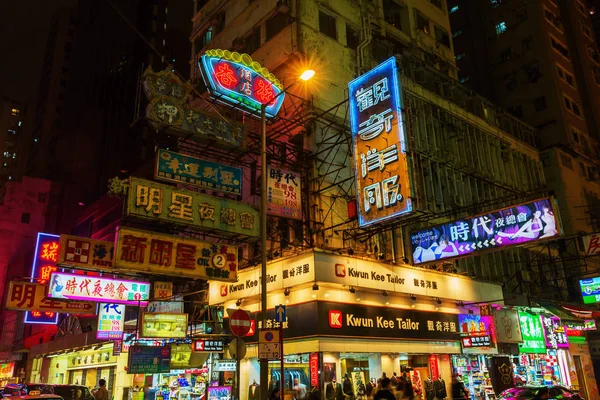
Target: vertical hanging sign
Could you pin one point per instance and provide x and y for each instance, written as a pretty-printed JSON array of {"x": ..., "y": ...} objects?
[
  {"x": 44, "y": 263},
  {"x": 383, "y": 189}
]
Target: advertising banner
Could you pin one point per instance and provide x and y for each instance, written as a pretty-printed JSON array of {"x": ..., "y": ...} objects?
[
  {"x": 7, "y": 370},
  {"x": 111, "y": 321},
  {"x": 83, "y": 287},
  {"x": 236, "y": 80},
  {"x": 209, "y": 345},
  {"x": 45, "y": 257},
  {"x": 533, "y": 334},
  {"x": 477, "y": 334},
  {"x": 149, "y": 360},
  {"x": 383, "y": 188},
  {"x": 181, "y": 168},
  {"x": 284, "y": 188},
  {"x": 151, "y": 201},
  {"x": 84, "y": 253},
  {"x": 508, "y": 328},
  {"x": 159, "y": 254},
  {"x": 590, "y": 290},
  {"x": 515, "y": 225},
  {"x": 591, "y": 244},
  {"x": 163, "y": 290},
  {"x": 165, "y": 307},
  {"x": 159, "y": 325},
  {"x": 554, "y": 333},
  {"x": 28, "y": 296}
]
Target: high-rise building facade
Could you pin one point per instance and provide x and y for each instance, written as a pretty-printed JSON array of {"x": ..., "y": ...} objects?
[{"x": 12, "y": 117}]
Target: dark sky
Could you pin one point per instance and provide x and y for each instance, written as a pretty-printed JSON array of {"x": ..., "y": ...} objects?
[{"x": 24, "y": 25}]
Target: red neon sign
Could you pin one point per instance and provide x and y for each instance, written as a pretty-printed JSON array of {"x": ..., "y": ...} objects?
[
  {"x": 263, "y": 91},
  {"x": 225, "y": 75}
]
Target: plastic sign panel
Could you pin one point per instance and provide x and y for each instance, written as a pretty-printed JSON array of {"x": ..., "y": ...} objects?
[
  {"x": 383, "y": 188},
  {"x": 44, "y": 263},
  {"x": 590, "y": 290},
  {"x": 284, "y": 197},
  {"x": 476, "y": 331},
  {"x": 87, "y": 254},
  {"x": 209, "y": 346},
  {"x": 511, "y": 226},
  {"x": 508, "y": 328},
  {"x": 160, "y": 254},
  {"x": 175, "y": 167},
  {"x": 31, "y": 297},
  {"x": 591, "y": 244},
  {"x": 149, "y": 360},
  {"x": 151, "y": 201},
  {"x": 554, "y": 333},
  {"x": 237, "y": 80},
  {"x": 83, "y": 287},
  {"x": 111, "y": 321},
  {"x": 7, "y": 370},
  {"x": 162, "y": 325},
  {"x": 532, "y": 332}
]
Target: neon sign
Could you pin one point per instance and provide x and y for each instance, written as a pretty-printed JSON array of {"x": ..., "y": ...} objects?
[
  {"x": 237, "y": 80},
  {"x": 44, "y": 263},
  {"x": 382, "y": 172}
]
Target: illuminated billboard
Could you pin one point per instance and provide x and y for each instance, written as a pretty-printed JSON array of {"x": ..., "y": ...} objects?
[
  {"x": 164, "y": 325},
  {"x": 44, "y": 263},
  {"x": 383, "y": 188},
  {"x": 511, "y": 226},
  {"x": 590, "y": 290},
  {"x": 237, "y": 80}
]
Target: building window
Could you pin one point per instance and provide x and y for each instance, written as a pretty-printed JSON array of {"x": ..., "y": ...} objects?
[
  {"x": 559, "y": 47},
  {"x": 565, "y": 76},
  {"x": 437, "y": 3},
  {"x": 582, "y": 169},
  {"x": 540, "y": 103},
  {"x": 505, "y": 55},
  {"x": 15, "y": 111},
  {"x": 327, "y": 25},
  {"x": 207, "y": 37},
  {"x": 572, "y": 106},
  {"x": 566, "y": 161},
  {"x": 459, "y": 56},
  {"x": 597, "y": 75},
  {"x": 581, "y": 7},
  {"x": 453, "y": 9},
  {"x": 500, "y": 28},
  {"x": 576, "y": 134},
  {"x": 42, "y": 197},
  {"x": 586, "y": 29},
  {"x": 252, "y": 41},
  {"x": 553, "y": 19},
  {"x": 276, "y": 24},
  {"x": 25, "y": 217},
  {"x": 422, "y": 22},
  {"x": 593, "y": 53},
  {"x": 495, "y": 3},
  {"x": 352, "y": 37},
  {"x": 392, "y": 13},
  {"x": 527, "y": 43},
  {"x": 441, "y": 36},
  {"x": 457, "y": 33},
  {"x": 464, "y": 79}
]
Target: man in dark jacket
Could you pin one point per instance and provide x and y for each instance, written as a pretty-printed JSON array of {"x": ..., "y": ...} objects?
[
  {"x": 333, "y": 391},
  {"x": 347, "y": 388},
  {"x": 386, "y": 391}
]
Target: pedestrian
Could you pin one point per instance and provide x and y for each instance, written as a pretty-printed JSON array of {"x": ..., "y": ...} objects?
[
  {"x": 275, "y": 394},
  {"x": 101, "y": 393},
  {"x": 459, "y": 391},
  {"x": 385, "y": 393},
  {"x": 400, "y": 388},
  {"x": 299, "y": 389}
]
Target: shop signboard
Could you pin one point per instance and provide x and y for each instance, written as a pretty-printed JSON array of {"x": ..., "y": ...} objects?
[
  {"x": 208, "y": 346},
  {"x": 181, "y": 168},
  {"x": 584, "y": 325},
  {"x": 111, "y": 321},
  {"x": 516, "y": 225},
  {"x": 7, "y": 370},
  {"x": 117, "y": 347},
  {"x": 236, "y": 80},
  {"x": 284, "y": 193},
  {"x": 554, "y": 333},
  {"x": 163, "y": 290},
  {"x": 99, "y": 289},
  {"x": 508, "y": 328},
  {"x": 477, "y": 333},
  {"x": 84, "y": 253},
  {"x": 149, "y": 360},
  {"x": 224, "y": 365},
  {"x": 532, "y": 332},
  {"x": 435, "y": 367},
  {"x": 165, "y": 306},
  {"x": 219, "y": 392},
  {"x": 159, "y": 254},
  {"x": 591, "y": 244},
  {"x": 31, "y": 297},
  {"x": 314, "y": 363},
  {"x": 383, "y": 186},
  {"x": 44, "y": 263},
  {"x": 590, "y": 290},
  {"x": 151, "y": 201},
  {"x": 162, "y": 325},
  {"x": 89, "y": 358}
]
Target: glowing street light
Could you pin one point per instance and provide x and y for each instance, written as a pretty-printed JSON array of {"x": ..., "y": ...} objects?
[{"x": 306, "y": 75}]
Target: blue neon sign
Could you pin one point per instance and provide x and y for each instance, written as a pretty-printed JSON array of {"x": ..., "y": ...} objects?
[{"x": 44, "y": 263}]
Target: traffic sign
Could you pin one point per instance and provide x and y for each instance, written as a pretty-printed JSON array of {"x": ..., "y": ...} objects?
[
  {"x": 269, "y": 346},
  {"x": 237, "y": 349},
  {"x": 239, "y": 323},
  {"x": 280, "y": 312}
]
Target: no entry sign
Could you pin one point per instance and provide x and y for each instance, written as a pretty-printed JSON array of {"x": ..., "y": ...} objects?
[{"x": 239, "y": 323}]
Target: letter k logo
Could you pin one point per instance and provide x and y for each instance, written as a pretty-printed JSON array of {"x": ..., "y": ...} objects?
[
  {"x": 335, "y": 319},
  {"x": 340, "y": 270},
  {"x": 223, "y": 290}
]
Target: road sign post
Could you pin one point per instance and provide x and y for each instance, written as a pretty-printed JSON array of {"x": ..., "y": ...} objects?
[
  {"x": 280, "y": 317},
  {"x": 237, "y": 351},
  {"x": 239, "y": 323}
]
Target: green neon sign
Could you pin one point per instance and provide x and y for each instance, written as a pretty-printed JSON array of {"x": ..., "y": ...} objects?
[{"x": 533, "y": 334}]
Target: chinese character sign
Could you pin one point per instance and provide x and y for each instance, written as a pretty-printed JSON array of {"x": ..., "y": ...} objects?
[
  {"x": 236, "y": 80},
  {"x": 284, "y": 193},
  {"x": 591, "y": 244},
  {"x": 554, "y": 332},
  {"x": 84, "y": 287},
  {"x": 382, "y": 172},
  {"x": 84, "y": 253},
  {"x": 510, "y": 226},
  {"x": 476, "y": 331},
  {"x": 111, "y": 321},
  {"x": 44, "y": 263},
  {"x": 590, "y": 290},
  {"x": 31, "y": 297},
  {"x": 175, "y": 167},
  {"x": 532, "y": 332},
  {"x": 160, "y": 254},
  {"x": 152, "y": 201}
]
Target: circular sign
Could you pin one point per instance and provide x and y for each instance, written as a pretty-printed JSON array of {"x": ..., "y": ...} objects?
[
  {"x": 237, "y": 349},
  {"x": 269, "y": 336},
  {"x": 239, "y": 323}
]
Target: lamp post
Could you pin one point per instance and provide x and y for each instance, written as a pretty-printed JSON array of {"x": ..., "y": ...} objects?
[{"x": 264, "y": 364}]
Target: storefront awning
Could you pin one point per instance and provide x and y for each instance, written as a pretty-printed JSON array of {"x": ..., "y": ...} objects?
[
  {"x": 562, "y": 313},
  {"x": 581, "y": 311}
]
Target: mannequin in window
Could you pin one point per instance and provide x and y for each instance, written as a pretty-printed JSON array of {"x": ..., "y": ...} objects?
[
  {"x": 254, "y": 391},
  {"x": 439, "y": 387}
]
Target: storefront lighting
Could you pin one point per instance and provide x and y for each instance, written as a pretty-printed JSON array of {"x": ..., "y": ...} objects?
[
  {"x": 315, "y": 286},
  {"x": 238, "y": 302},
  {"x": 413, "y": 297},
  {"x": 352, "y": 290},
  {"x": 314, "y": 296},
  {"x": 326, "y": 294},
  {"x": 438, "y": 300},
  {"x": 286, "y": 291}
]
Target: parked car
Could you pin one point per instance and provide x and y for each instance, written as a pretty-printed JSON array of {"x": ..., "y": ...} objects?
[
  {"x": 539, "y": 393},
  {"x": 14, "y": 389},
  {"x": 67, "y": 392},
  {"x": 35, "y": 396}
]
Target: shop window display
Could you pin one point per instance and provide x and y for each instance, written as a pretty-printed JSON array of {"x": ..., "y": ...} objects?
[{"x": 472, "y": 370}]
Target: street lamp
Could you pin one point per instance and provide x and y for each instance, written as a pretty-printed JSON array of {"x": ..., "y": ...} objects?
[{"x": 264, "y": 364}]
